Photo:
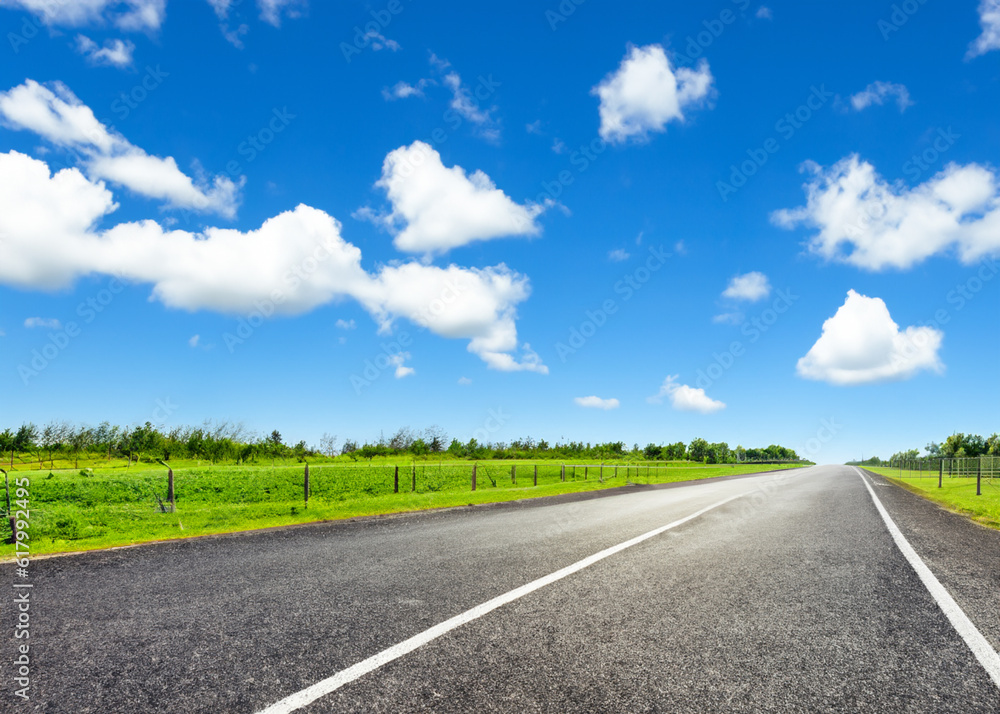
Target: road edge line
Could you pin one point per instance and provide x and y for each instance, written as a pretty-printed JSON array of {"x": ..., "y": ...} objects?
[
  {"x": 326, "y": 686},
  {"x": 980, "y": 646}
]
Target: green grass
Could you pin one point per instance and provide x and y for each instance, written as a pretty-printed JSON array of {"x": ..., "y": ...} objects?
[
  {"x": 956, "y": 494},
  {"x": 70, "y": 511}
]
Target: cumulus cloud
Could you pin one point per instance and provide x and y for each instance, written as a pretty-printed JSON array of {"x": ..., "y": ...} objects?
[
  {"x": 464, "y": 381},
  {"x": 684, "y": 398},
  {"x": 750, "y": 287},
  {"x": 48, "y": 323},
  {"x": 878, "y": 92},
  {"x": 436, "y": 208},
  {"x": 345, "y": 324},
  {"x": 114, "y": 53},
  {"x": 861, "y": 344},
  {"x": 129, "y": 15},
  {"x": 645, "y": 93},
  {"x": 295, "y": 261},
  {"x": 989, "y": 20},
  {"x": 618, "y": 255},
  {"x": 597, "y": 403},
  {"x": 865, "y": 221},
  {"x": 54, "y": 113},
  {"x": 764, "y": 13},
  {"x": 194, "y": 341}
]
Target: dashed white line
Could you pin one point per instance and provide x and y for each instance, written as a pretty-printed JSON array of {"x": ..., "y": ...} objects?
[
  {"x": 346, "y": 676},
  {"x": 980, "y": 647}
]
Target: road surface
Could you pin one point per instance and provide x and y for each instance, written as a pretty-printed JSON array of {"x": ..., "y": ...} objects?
[{"x": 782, "y": 592}]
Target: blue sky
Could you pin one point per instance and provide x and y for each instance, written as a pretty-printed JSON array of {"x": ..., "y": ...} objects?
[{"x": 752, "y": 223}]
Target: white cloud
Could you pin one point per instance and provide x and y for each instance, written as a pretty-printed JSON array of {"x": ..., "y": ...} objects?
[
  {"x": 464, "y": 381},
  {"x": 764, "y": 13},
  {"x": 645, "y": 93},
  {"x": 195, "y": 339},
  {"x": 47, "y": 323},
  {"x": 54, "y": 113},
  {"x": 234, "y": 36},
  {"x": 729, "y": 318},
  {"x": 559, "y": 146},
  {"x": 129, "y": 15},
  {"x": 861, "y": 344},
  {"x": 293, "y": 263},
  {"x": 470, "y": 303},
  {"x": 597, "y": 403},
  {"x": 271, "y": 11},
  {"x": 345, "y": 324},
  {"x": 865, "y": 221},
  {"x": 534, "y": 127},
  {"x": 114, "y": 53},
  {"x": 878, "y": 92},
  {"x": 685, "y": 398},
  {"x": 398, "y": 361},
  {"x": 378, "y": 41},
  {"x": 463, "y": 102},
  {"x": 402, "y": 90},
  {"x": 752, "y": 287},
  {"x": 989, "y": 20},
  {"x": 443, "y": 208},
  {"x": 618, "y": 255},
  {"x": 221, "y": 8}
]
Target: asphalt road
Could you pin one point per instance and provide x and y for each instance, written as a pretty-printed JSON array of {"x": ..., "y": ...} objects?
[{"x": 792, "y": 597}]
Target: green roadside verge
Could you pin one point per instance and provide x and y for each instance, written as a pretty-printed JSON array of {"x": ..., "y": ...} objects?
[
  {"x": 957, "y": 495},
  {"x": 70, "y": 512}
]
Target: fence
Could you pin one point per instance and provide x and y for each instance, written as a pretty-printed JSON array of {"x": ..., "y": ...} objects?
[
  {"x": 71, "y": 504},
  {"x": 982, "y": 468}
]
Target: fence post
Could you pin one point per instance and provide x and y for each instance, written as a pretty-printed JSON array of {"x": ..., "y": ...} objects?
[
  {"x": 940, "y": 472},
  {"x": 395, "y": 481},
  {"x": 602, "y": 472},
  {"x": 473, "y": 477},
  {"x": 536, "y": 474},
  {"x": 586, "y": 470},
  {"x": 305, "y": 486},
  {"x": 513, "y": 474},
  {"x": 979, "y": 476},
  {"x": 413, "y": 480},
  {"x": 562, "y": 472},
  {"x": 170, "y": 489}
]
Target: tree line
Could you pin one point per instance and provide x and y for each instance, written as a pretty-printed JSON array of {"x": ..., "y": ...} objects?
[
  {"x": 956, "y": 446},
  {"x": 232, "y": 442}
]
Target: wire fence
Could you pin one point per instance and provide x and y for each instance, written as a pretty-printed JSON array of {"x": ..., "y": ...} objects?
[
  {"x": 70, "y": 504},
  {"x": 985, "y": 469}
]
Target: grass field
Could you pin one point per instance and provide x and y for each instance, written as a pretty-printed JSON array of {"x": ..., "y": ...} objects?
[
  {"x": 69, "y": 511},
  {"x": 955, "y": 494}
]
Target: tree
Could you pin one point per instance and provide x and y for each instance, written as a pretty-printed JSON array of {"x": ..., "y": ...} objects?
[
  {"x": 698, "y": 450},
  {"x": 328, "y": 444}
]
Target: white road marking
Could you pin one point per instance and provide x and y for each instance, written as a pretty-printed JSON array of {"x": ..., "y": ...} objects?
[
  {"x": 346, "y": 676},
  {"x": 980, "y": 647}
]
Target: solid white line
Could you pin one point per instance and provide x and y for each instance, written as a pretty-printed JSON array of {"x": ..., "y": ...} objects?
[
  {"x": 980, "y": 647},
  {"x": 326, "y": 686}
]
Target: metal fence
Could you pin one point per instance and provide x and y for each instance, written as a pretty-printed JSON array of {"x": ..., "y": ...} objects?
[{"x": 985, "y": 469}]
